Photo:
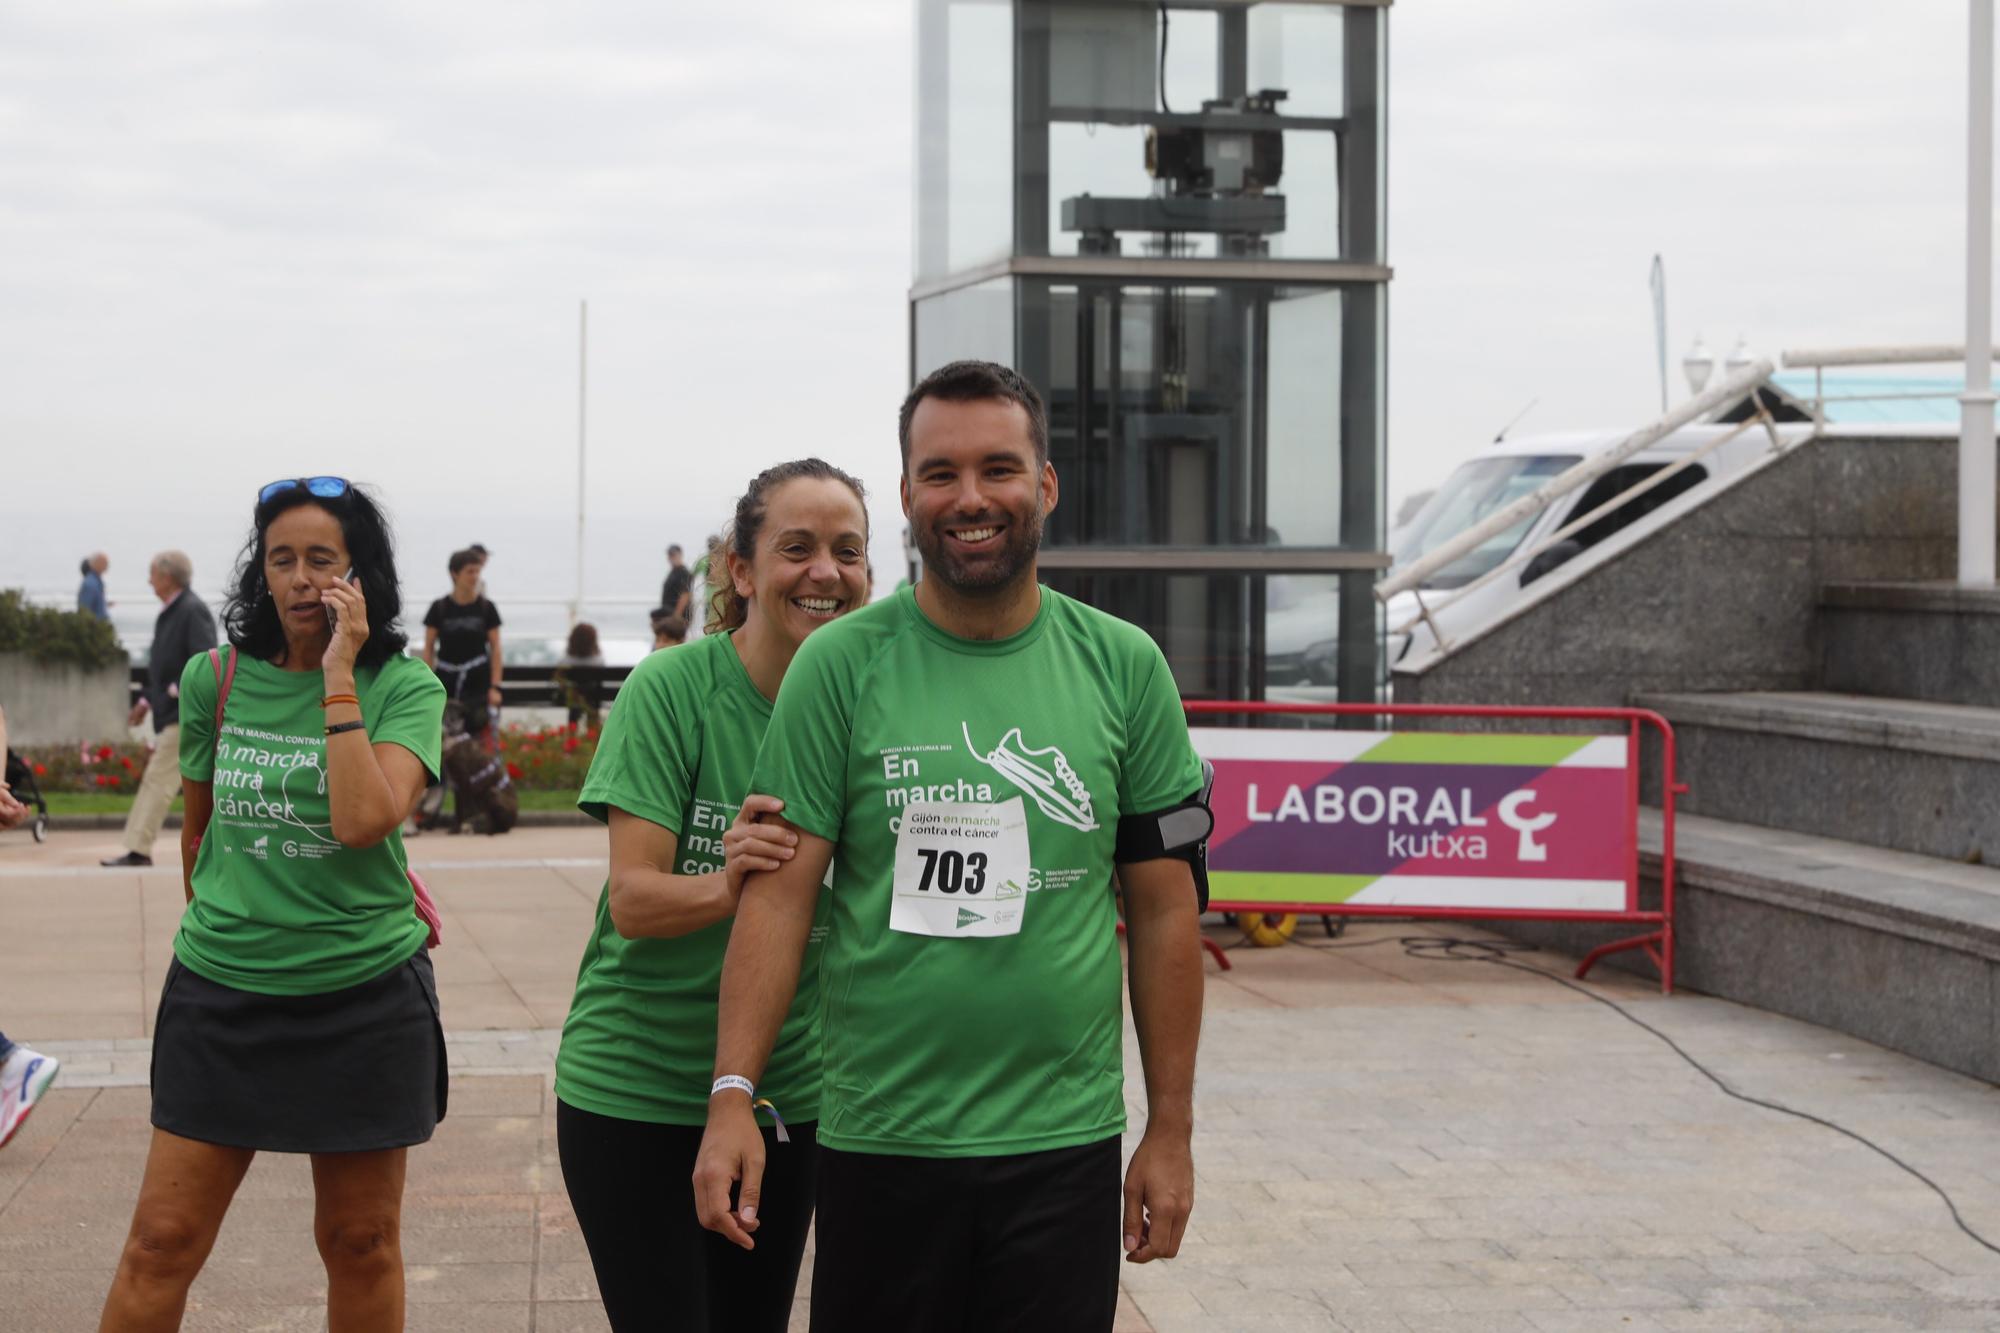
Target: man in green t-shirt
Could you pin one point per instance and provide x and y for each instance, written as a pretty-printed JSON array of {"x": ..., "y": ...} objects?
[{"x": 972, "y": 757}]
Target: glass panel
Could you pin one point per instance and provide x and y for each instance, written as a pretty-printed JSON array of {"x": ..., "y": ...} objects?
[
  {"x": 1311, "y": 190},
  {"x": 1231, "y": 636},
  {"x": 1101, "y": 56},
  {"x": 965, "y": 134},
  {"x": 1475, "y": 490},
  {"x": 1111, "y": 178},
  {"x": 1152, "y": 421},
  {"x": 969, "y": 323},
  {"x": 1303, "y": 430},
  {"x": 1298, "y": 48},
  {"x": 1302, "y": 631}
]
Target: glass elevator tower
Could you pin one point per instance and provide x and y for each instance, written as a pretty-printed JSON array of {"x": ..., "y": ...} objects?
[{"x": 1170, "y": 218}]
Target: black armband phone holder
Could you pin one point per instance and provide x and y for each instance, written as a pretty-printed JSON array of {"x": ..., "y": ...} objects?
[{"x": 1180, "y": 831}]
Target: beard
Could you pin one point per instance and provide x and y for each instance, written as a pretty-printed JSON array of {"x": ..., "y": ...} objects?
[{"x": 986, "y": 573}]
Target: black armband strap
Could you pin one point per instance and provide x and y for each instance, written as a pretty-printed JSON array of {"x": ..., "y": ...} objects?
[{"x": 1180, "y": 831}]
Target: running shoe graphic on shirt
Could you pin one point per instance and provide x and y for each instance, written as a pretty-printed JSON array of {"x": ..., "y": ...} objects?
[{"x": 1058, "y": 793}]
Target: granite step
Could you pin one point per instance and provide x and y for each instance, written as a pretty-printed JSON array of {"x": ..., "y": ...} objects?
[
  {"x": 1898, "y": 949},
  {"x": 1931, "y": 641},
  {"x": 1909, "y": 775}
]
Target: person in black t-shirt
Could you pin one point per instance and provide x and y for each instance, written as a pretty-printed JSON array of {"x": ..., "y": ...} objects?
[
  {"x": 676, "y": 592},
  {"x": 462, "y": 643}
]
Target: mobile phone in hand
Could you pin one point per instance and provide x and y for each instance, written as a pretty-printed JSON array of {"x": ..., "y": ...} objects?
[{"x": 332, "y": 620}]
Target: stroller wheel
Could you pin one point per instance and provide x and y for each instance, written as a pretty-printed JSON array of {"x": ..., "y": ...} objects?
[{"x": 40, "y": 827}]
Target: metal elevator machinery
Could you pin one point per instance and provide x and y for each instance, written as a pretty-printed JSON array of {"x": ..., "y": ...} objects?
[{"x": 1169, "y": 217}]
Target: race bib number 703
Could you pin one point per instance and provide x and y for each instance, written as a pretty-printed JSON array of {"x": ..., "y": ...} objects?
[{"x": 961, "y": 869}]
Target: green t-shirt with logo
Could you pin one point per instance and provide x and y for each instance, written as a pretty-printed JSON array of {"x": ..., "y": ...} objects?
[
  {"x": 639, "y": 1044},
  {"x": 1000, "y": 1030},
  {"x": 279, "y": 906}
]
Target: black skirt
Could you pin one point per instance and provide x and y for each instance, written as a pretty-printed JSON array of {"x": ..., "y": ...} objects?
[{"x": 354, "y": 1070}]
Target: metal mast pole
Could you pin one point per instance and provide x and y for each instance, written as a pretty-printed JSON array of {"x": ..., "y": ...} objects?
[
  {"x": 1658, "y": 282},
  {"x": 582, "y": 398},
  {"x": 1976, "y": 452}
]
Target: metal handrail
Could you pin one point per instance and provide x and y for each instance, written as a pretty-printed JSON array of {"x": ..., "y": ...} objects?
[
  {"x": 1917, "y": 354},
  {"x": 1730, "y": 389}
]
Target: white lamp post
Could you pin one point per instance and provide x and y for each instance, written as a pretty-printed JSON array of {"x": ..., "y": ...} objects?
[
  {"x": 1698, "y": 365},
  {"x": 1739, "y": 356}
]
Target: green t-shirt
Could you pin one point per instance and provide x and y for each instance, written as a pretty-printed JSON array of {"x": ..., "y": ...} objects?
[
  {"x": 639, "y": 1043},
  {"x": 980, "y": 1044},
  {"x": 279, "y": 906}
]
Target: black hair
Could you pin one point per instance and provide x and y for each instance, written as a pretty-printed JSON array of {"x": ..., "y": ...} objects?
[
  {"x": 471, "y": 555},
  {"x": 250, "y": 616},
  {"x": 728, "y": 608},
  {"x": 583, "y": 639},
  {"x": 972, "y": 382},
  {"x": 85, "y": 567}
]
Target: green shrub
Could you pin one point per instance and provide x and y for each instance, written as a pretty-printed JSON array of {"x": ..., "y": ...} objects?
[{"x": 52, "y": 636}]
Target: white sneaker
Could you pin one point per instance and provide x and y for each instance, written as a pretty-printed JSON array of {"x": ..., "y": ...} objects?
[{"x": 23, "y": 1079}]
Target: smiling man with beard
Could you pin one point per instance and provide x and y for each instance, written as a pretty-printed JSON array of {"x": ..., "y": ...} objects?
[{"x": 972, "y": 758}]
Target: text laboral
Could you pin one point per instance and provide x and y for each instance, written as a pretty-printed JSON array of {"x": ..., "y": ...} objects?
[{"x": 1365, "y": 805}]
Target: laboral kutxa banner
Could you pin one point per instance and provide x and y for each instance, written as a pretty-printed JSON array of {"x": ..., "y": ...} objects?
[{"x": 1420, "y": 819}]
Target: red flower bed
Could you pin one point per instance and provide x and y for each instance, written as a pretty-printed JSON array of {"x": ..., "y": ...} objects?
[{"x": 547, "y": 758}]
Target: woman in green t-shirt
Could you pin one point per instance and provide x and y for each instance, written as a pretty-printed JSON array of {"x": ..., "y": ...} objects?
[
  {"x": 672, "y": 779},
  {"x": 299, "y": 1012}
]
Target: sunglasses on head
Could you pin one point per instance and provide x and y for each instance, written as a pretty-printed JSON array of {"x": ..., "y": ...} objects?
[{"x": 326, "y": 488}]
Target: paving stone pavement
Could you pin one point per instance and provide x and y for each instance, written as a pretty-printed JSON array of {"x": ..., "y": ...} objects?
[{"x": 1383, "y": 1142}]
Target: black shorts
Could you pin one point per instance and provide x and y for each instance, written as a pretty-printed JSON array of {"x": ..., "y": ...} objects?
[
  {"x": 968, "y": 1244},
  {"x": 353, "y": 1070}
]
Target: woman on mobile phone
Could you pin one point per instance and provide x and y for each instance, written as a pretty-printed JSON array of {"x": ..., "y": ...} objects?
[
  {"x": 672, "y": 779},
  {"x": 300, "y": 1012}
]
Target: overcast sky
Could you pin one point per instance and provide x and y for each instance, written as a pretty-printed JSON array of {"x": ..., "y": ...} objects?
[{"x": 243, "y": 240}]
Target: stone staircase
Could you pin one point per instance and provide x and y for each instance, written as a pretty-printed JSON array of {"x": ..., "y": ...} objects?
[{"x": 1875, "y": 906}]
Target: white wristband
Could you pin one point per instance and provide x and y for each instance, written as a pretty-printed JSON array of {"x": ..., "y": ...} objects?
[{"x": 734, "y": 1081}]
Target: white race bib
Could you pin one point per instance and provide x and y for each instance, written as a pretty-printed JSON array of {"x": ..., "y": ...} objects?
[{"x": 961, "y": 869}]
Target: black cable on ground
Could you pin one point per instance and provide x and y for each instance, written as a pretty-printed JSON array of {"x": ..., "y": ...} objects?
[{"x": 1454, "y": 949}]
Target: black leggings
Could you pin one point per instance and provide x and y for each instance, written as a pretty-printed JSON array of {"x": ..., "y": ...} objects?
[{"x": 658, "y": 1269}]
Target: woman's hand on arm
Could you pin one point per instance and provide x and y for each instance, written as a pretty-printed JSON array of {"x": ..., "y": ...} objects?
[{"x": 650, "y": 901}]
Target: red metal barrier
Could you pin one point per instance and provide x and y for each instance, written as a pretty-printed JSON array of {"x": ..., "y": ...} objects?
[{"x": 1657, "y": 942}]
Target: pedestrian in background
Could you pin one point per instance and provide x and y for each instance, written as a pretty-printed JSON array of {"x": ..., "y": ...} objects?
[
  {"x": 462, "y": 643},
  {"x": 677, "y": 591},
  {"x": 24, "y": 1074},
  {"x": 300, "y": 1010},
  {"x": 90, "y": 593},
  {"x": 185, "y": 628},
  {"x": 579, "y": 675},
  {"x": 669, "y": 631}
]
